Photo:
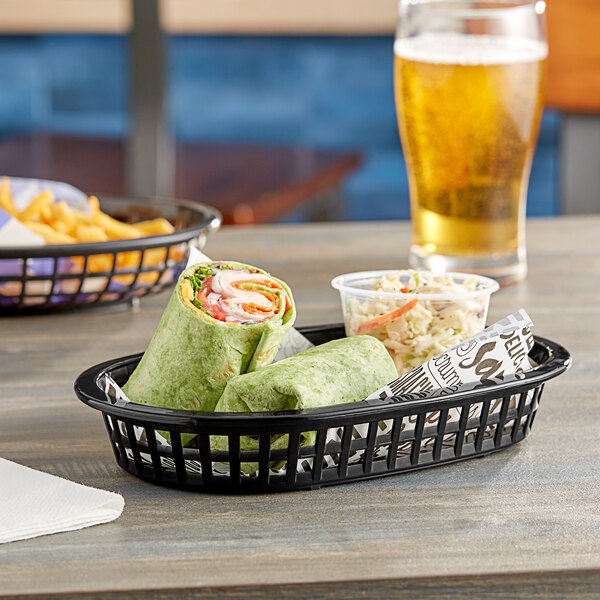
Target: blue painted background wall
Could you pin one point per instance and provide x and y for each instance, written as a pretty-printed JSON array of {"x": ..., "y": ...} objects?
[{"x": 333, "y": 92}]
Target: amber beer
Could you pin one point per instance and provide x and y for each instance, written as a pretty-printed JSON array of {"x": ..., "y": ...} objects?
[{"x": 469, "y": 108}]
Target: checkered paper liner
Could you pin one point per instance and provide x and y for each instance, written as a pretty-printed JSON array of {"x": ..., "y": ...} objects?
[{"x": 482, "y": 361}]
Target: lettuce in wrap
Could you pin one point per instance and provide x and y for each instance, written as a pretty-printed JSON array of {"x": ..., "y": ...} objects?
[{"x": 223, "y": 319}]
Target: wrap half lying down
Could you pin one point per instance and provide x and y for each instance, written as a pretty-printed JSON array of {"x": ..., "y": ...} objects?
[
  {"x": 223, "y": 319},
  {"x": 344, "y": 370}
]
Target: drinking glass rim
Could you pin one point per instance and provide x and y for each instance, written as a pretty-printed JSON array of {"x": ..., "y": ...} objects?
[{"x": 538, "y": 6}]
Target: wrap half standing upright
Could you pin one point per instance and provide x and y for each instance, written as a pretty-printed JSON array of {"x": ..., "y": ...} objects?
[{"x": 223, "y": 319}]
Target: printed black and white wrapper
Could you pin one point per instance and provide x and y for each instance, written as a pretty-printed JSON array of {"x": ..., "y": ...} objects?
[{"x": 483, "y": 360}]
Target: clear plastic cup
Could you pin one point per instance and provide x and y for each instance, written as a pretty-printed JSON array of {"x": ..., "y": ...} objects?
[{"x": 417, "y": 326}]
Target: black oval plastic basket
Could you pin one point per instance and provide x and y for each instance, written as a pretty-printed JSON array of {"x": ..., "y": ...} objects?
[
  {"x": 60, "y": 277},
  {"x": 352, "y": 442}
]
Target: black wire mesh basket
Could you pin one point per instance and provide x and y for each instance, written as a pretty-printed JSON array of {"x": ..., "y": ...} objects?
[
  {"x": 353, "y": 441},
  {"x": 67, "y": 276}
]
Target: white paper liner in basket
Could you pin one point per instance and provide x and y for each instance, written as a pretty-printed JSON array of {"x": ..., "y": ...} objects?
[{"x": 481, "y": 361}]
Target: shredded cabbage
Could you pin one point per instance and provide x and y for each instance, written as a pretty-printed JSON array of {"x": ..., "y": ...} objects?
[{"x": 427, "y": 329}]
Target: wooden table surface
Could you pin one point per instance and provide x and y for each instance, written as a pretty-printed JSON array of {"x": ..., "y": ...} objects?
[
  {"x": 247, "y": 183},
  {"x": 521, "y": 523}
]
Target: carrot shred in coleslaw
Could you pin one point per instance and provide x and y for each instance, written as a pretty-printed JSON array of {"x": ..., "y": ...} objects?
[
  {"x": 420, "y": 328},
  {"x": 387, "y": 318}
]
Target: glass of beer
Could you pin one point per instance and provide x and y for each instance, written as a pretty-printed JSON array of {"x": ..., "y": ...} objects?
[{"x": 468, "y": 79}]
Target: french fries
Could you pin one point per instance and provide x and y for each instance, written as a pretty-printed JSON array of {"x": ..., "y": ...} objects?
[
  {"x": 64, "y": 217},
  {"x": 6, "y": 201},
  {"x": 90, "y": 233},
  {"x": 32, "y": 212},
  {"x": 154, "y": 227},
  {"x": 59, "y": 223},
  {"x": 52, "y": 236},
  {"x": 115, "y": 230}
]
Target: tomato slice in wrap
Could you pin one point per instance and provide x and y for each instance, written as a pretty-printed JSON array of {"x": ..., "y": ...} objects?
[
  {"x": 223, "y": 319},
  {"x": 237, "y": 296}
]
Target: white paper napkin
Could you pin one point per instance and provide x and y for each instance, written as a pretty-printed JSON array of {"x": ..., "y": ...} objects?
[{"x": 33, "y": 503}]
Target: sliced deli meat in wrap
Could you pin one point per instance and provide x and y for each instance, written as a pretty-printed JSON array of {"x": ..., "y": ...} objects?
[{"x": 223, "y": 319}]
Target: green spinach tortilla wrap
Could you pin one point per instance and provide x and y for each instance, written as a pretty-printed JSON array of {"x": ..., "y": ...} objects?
[
  {"x": 344, "y": 370},
  {"x": 223, "y": 319}
]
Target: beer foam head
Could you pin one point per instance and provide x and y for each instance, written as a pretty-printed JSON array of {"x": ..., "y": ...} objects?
[{"x": 466, "y": 49}]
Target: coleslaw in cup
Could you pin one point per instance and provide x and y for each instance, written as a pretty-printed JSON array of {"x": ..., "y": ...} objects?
[{"x": 416, "y": 314}]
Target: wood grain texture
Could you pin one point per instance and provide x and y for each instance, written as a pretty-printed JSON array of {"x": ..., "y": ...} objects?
[
  {"x": 574, "y": 60},
  {"x": 529, "y": 514},
  {"x": 65, "y": 16},
  {"x": 271, "y": 16},
  {"x": 247, "y": 183},
  {"x": 203, "y": 16},
  {"x": 584, "y": 585}
]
